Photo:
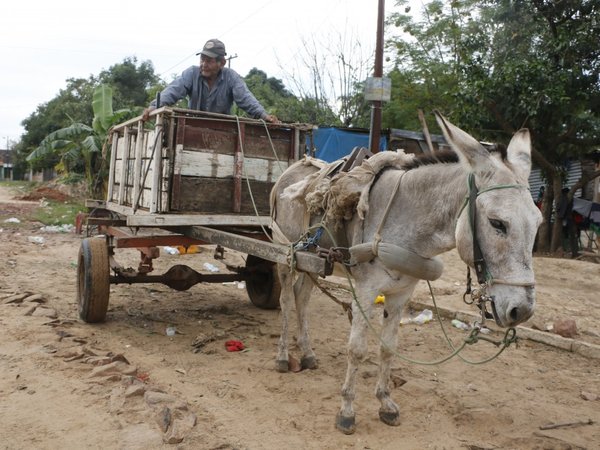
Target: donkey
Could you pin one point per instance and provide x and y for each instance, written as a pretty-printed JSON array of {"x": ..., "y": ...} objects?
[{"x": 415, "y": 213}]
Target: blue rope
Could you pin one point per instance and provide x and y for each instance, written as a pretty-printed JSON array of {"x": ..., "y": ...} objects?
[{"x": 310, "y": 241}]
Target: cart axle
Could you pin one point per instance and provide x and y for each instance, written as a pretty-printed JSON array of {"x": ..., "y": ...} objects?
[{"x": 179, "y": 277}]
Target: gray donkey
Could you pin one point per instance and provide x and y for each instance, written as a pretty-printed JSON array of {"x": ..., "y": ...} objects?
[{"x": 396, "y": 224}]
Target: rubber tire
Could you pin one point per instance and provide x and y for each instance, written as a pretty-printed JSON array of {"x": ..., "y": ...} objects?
[
  {"x": 264, "y": 287},
  {"x": 93, "y": 280}
]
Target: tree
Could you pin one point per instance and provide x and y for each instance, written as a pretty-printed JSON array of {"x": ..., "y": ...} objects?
[
  {"x": 131, "y": 83},
  {"x": 133, "y": 87},
  {"x": 495, "y": 66},
  {"x": 79, "y": 147},
  {"x": 329, "y": 80}
]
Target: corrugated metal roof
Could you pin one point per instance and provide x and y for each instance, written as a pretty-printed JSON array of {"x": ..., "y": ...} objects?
[{"x": 573, "y": 175}]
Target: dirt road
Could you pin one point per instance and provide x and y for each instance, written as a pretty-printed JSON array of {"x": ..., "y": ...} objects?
[{"x": 125, "y": 384}]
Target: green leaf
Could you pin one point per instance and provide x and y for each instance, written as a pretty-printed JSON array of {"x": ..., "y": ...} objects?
[{"x": 102, "y": 106}]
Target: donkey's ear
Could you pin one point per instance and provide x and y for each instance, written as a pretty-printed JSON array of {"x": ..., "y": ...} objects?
[
  {"x": 519, "y": 153},
  {"x": 468, "y": 148}
]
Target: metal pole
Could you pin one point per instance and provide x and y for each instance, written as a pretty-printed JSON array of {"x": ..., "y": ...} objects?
[{"x": 375, "y": 131}]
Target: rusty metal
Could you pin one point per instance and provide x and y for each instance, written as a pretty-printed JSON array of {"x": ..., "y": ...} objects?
[
  {"x": 334, "y": 254},
  {"x": 179, "y": 277},
  {"x": 219, "y": 252}
]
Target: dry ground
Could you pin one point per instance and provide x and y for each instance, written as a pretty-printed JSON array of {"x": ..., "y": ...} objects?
[{"x": 55, "y": 394}]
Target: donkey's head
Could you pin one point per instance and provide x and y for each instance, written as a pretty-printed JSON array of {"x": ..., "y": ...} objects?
[{"x": 500, "y": 219}]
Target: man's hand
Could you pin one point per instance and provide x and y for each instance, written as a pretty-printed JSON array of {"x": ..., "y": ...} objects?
[
  {"x": 272, "y": 119},
  {"x": 146, "y": 113}
]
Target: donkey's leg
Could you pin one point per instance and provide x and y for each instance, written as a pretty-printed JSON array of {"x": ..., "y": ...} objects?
[
  {"x": 389, "y": 412},
  {"x": 285, "y": 301},
  {"x": 302, "y": 290},
  {"x": 357, "y": 350}
]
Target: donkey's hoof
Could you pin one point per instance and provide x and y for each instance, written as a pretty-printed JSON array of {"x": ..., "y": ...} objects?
[
  {"x": 282, "y": 365},
  {"x": 346, "y": 425},
  {"x": 309, "y": 362},
  {"x": 390, "y": 418}
]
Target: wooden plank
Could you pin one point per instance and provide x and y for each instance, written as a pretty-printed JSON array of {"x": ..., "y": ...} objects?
[
  {"x": 296, "y": 145},
  {"x": 157, "y": 163},
  {"x": 91, "y": 203},
  {"x": 113, "y": 161},
  {"x": 215, "y": 195},
  {"x": 238, "y": 162},
  {"x": 124, "y": 166},
  {"x": 137, "y": 168},
  {"x": 122, "y": 209},
  {"x": 176, "y": 182},
  {"x": 202, "y": 136},
  {"x": 177, "y": 220},
  {"x": 305, "y": 261},
  {"x": 215, "y": 165},
  {"x": 222, "y": 137}
]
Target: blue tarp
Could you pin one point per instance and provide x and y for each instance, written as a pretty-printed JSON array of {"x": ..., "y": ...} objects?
[{"x": 335, "y": 143}]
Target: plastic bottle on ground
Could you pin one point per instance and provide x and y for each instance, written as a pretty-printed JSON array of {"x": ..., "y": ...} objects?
[
  {"x": 460, "y": 325},
  {"x": 423, "y": 317},
  {"x": 210, "y": 267}
]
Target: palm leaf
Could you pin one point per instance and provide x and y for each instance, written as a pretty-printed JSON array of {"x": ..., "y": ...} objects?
[{"x": 92, "y": 144}]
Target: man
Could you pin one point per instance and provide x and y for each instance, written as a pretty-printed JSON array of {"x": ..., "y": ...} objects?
[{"x": 212, "y": 87}]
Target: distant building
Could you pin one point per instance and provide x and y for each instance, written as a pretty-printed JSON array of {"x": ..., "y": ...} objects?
[{"x": 6, "y": 168}]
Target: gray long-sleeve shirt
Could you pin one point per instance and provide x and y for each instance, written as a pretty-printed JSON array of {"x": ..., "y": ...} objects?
[{"x": 229, "y": 87}]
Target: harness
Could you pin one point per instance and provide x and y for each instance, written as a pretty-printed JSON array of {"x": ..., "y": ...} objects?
[{"x": 484, "y": 277}]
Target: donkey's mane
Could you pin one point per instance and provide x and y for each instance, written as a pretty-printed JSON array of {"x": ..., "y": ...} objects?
[
  {"x": 426, "y": 159},
  {"x": 448, "y": 156}
]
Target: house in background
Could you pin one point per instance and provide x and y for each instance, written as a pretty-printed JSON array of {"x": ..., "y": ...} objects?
[{"x": 6, "y": 168}]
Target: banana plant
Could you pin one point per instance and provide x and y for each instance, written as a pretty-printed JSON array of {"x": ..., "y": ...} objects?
[{"x": 82, "y": 145}]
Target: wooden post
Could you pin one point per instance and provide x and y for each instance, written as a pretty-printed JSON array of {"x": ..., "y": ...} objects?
[
  {"x": 156, "y": 192},
  {"x": 124, "y": 165},
  {"x": 111, "y": 171},
  {"x": 425, "y": 131},
  {"x": 238, "y": 168},
  {"x": 137, "y": 167}
]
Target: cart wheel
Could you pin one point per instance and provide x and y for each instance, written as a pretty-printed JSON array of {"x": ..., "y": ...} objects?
[
  {"x": 263, "y": 288},
  {"x": 93, "y": 282}
]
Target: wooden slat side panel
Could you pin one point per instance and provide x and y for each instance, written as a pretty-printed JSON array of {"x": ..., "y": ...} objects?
[
  {"x": 207, "y": 139},
  {"x": 223, "y": 138},
  {"x": 257, "y": 143},
  {"x": 111, "y": 168},
  {"x": 212, "y": 195},
  {"x": 215, "y": 165}
]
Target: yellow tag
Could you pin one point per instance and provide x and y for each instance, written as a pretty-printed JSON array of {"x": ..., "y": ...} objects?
[{"x": 379, "y": 299}]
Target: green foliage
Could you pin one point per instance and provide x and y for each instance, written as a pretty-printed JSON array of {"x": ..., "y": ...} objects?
[
  {"x": 79, "y": 147},
  {"x": 494, "y": 66},
  {"x": 131, "y": 83},
  {"x": 276, "y": 99}
]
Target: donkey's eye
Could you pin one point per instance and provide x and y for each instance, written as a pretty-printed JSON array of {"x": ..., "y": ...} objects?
[{"x": 498, "y": 225}]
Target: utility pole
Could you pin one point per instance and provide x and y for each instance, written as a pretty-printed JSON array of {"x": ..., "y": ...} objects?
[
  {"x": 375, "y": 131},
  {"x": 229, "y": 59}
]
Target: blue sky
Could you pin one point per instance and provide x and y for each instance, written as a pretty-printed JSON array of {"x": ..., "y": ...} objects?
[{"x": 44, "y": 43}]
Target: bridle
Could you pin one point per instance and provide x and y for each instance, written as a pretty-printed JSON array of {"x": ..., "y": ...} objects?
[{"x": 485, "y": 279}]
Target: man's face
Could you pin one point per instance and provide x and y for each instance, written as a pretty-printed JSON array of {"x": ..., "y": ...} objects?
[{"x": 210, "y": 67}]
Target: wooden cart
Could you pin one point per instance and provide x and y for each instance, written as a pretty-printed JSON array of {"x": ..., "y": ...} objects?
[{"x": 190, "y": 178}]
